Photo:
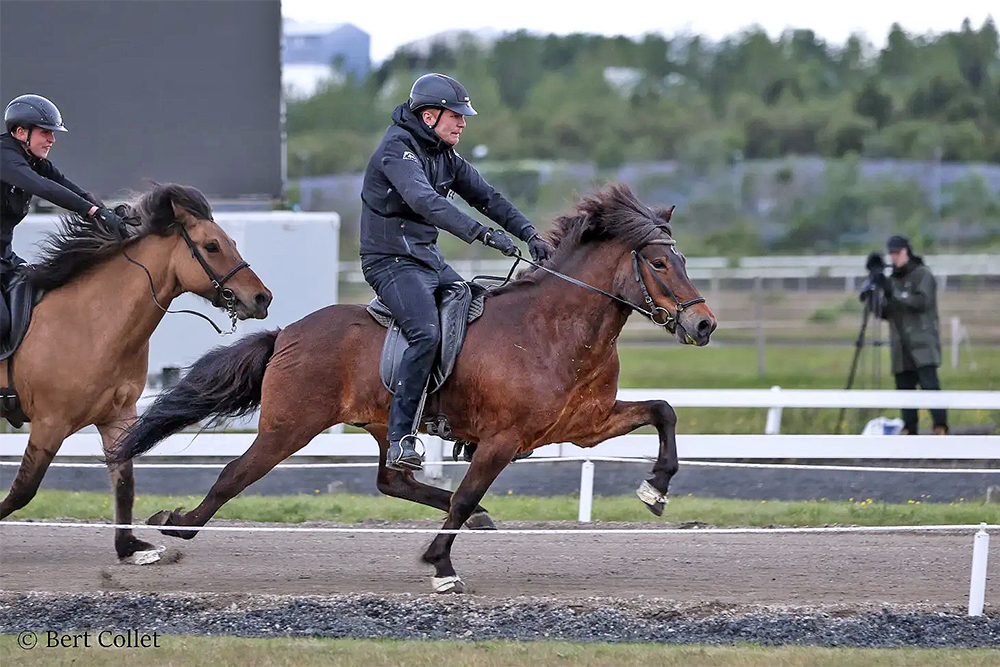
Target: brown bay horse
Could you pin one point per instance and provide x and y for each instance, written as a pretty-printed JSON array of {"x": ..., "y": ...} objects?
[
  {"x": 539, "y": 366},
  {"x": 84, "y": 357}
]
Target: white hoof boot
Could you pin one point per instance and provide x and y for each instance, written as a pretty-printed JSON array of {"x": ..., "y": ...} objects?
[
  {"x": 652, "y": 498},
  {"x": 452, "y": 584},
  {"x": 147, "y": 557}
]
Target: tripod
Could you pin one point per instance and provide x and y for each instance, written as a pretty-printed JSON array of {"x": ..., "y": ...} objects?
[{"x": 874, "y": 301}]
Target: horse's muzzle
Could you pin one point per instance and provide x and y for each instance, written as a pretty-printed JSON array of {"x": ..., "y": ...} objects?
[
  {"x": 695, "y": 330},
  {"x": 255, "y": 309}
]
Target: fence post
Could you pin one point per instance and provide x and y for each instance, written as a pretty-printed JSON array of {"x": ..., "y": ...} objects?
[
  {"x": 758, "y": 308},
  {"x": 956, "y": 339},
  {"x": 773, "y": 424},
  {"x": 977, "y": 583},
  {"x": 586, "y": 491},
  {"x": 433, "y": 457}
]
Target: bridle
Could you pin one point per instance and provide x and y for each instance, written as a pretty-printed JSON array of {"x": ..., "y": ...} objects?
[
  {"x": 651, "y": 311},
  {"x": 222, "y": 293}
]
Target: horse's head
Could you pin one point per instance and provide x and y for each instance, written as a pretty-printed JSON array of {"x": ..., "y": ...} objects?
[
  {"x": 208, "y": 264},
  {"x": 660, "y": 284}
]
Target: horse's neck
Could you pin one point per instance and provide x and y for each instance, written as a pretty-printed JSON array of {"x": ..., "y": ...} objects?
[
  {"x": 117, "y": 293},
  {"x": 588, "y": 322}
]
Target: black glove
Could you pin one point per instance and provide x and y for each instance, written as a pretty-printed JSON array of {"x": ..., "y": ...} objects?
[
  {"x": 495, "y": 238},
  {"x": 539, "y": 248},
  {"x": 112, "y": 222}
]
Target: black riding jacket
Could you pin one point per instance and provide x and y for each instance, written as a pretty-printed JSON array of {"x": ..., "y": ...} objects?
[
  {"x": 406, "y": 186},
  {"x": 23, "y": 176}
]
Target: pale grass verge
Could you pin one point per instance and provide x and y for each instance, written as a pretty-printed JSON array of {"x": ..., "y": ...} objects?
[
  {"x": 179, "y": 651},
  {"x": 352, "y": 509}
]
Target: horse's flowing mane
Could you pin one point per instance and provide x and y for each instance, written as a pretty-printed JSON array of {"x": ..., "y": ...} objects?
[
  {"x": 612, "y": 213},
  {"x": 82, "y": 243}
]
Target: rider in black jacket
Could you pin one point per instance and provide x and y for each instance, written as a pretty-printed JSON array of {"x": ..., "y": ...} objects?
[
  {"x": 405, "y": 202},
  {"x": 25, "y": 171}
]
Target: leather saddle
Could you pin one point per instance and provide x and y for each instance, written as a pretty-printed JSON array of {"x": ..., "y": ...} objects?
[
  {"x": 459, "y": 304},
  {"x": 16, "y": 307}
]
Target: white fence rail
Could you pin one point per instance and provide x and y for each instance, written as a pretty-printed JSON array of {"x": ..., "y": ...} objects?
[
  {"x": 776, "y": 399},
  {"x": 766, "y": 446},
  {"x": 848, "y": 267},
  {"x": 757, "y": 446}
]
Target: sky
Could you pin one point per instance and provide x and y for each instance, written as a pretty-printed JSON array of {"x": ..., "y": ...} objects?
[{"x": 392, "y": 23}]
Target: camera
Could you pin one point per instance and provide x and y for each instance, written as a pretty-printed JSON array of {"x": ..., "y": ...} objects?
[
  {"x": 871, "y": 290},
  {"x": 875, "y": 263}
]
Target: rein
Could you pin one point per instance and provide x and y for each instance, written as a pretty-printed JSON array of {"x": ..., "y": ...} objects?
[
  {"x": 669, "y": 322},
  {"x": 222, "y": 293}
]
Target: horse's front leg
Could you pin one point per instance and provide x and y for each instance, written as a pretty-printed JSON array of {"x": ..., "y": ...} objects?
[
  {"x": 491, "y": 458},
  {"x": 628, "y": 416},
  {"x": 128, "y": 546}
]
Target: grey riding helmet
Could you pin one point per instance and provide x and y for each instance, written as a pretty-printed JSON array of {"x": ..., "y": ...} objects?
[
  {"x": 33, "y": 111},
  {"x": 440, "y": 91}
]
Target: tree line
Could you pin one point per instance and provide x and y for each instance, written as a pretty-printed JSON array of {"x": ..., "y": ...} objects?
[{"x": 612, "y": 100}]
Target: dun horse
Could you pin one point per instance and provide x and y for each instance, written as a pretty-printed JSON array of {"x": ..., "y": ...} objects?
[
  {"x": 84, "y": 356},
  {"x": 540, "y": 365}
]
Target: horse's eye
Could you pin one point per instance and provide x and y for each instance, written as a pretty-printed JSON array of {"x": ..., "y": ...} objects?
[
  {"x": 658, "y": 264},
  {"x": 212, "y": 247}
]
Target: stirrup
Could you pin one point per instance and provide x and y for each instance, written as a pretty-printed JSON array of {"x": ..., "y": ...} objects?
[{"x": 404, "y": 464}]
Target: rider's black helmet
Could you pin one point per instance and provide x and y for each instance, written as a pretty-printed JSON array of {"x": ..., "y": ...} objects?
[
  {"x": 33, "y": 111},
  {"x": 440, "y": 91}
]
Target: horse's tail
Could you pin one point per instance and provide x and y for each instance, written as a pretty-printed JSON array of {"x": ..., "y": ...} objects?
[{"x": 225, "y": 382}]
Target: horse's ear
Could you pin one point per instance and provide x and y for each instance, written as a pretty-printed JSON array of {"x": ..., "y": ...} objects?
[
  {"x": 665, "y": 213},
  {"x": 182, "y": 215}
]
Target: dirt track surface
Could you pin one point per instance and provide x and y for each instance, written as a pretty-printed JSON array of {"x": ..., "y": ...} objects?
[{"x": 926, "y": 569}]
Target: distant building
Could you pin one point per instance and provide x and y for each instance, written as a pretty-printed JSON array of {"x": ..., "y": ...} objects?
[{"x": 315, "y": 52}]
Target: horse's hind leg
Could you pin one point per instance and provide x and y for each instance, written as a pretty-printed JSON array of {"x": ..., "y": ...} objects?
[
  {"x": 43, "y": 443},
  {"x": 626, "y": 417},
  {"x": 127, "y": 545},
  {"x": 402, "y": 484},
  {"x": 269, "y": 449}
]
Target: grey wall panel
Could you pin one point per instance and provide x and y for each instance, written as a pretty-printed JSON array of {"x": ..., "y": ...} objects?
[{"x": 170, "y": 90}]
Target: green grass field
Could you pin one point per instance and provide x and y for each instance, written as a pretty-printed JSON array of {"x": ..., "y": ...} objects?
[
  {"x": 669, "y": 365},
  {"x": 789, "y": 367},
  {"x": 175, "y": 651},
  {"x": 347, "y": 508}
]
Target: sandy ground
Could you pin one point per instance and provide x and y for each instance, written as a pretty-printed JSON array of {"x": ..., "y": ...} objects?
[{"x": 781, "y": 569}]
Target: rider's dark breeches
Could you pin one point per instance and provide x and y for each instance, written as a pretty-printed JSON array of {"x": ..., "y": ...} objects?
[
  {"x": 8, "y": 261},
  {"x": 408, "y": 287}
]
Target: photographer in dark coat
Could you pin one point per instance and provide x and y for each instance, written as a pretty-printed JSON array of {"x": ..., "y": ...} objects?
[
  {"x": 911, "y": 309},
  {"x": 405, "y": 202}
]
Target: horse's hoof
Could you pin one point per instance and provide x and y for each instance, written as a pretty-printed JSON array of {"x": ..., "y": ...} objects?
[
  {"x": 452, "y": 584},
  {"x": 652, "y": 498},
  {"x": 129, "y": 545},
  {"x": 165, "y": 518},
  {"x": 161, "y": 518},
  {"x": 655, "y": 508},
  {"x": 145, "y": 557},
  {"x": 480, "y": 521}
]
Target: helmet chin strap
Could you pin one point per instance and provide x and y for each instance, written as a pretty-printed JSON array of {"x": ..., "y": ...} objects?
[
  {"x": 27, "y": 144},
  {"x": 438, "y": 119}
]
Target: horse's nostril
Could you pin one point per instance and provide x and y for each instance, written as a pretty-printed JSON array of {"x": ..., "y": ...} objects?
[
  {"x": 705, "y": 326},
  {"x": 260, "y": 299}
]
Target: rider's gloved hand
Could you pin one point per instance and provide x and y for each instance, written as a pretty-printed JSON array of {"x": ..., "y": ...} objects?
[
  {"x": 495, "y": 238},
  {"x": 539, "y": 248},
  {"x": 112, "y": 222}
]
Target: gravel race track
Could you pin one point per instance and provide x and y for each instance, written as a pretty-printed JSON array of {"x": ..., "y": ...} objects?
[{"x": 857, "y": 589}]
